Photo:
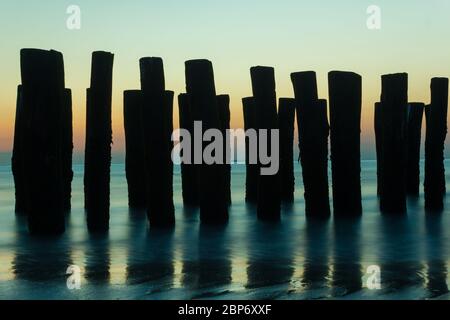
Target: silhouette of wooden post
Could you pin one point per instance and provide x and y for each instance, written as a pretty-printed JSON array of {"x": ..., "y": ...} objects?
[
  {"x": 415, "y": 116},
  {"x": 168, "y": 146},
  {"x": 378, "y": 144},
  {"x": 286, "y": 118},
  {"x": 202, "y": 93},
  {"x": 436, "y": 118},
  {"x": 158, "y": 164},
  {"x": 42, "y": 100},
  {"x": 98, "y": 142},
  {"x": 252, "y": 169},
  {"x": 67, "y": 148},
  {"x": 223, "y": 103},
  {"x": 394, "y": 107},
  {"x": 313, "y": 128},
  {"x": 17, "y": 156},
  {"x": 188, "y": 170},
  {"x": 264, "y": 95},
  {"x": 345, "y": 94},
  {"x": 134, "y": 145}
]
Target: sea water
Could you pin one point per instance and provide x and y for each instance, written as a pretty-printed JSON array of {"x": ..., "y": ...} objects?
[{"x": 246, "y": 259}]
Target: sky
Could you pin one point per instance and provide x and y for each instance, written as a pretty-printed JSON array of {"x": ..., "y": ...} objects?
[{"x": 289, "y": 35}]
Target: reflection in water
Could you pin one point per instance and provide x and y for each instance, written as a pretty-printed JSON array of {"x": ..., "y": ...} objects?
[
  {"x": 150, "y": 255},
  {"x": 39, "y": 258},
  {"x": 347, "y": 274},
  {"x": 210, "y": 267},
  {"x": 246, "y": 259},
  {"x": 399, "y": 247},
  {"x": 317, "y": 242},
  {"x": 190, "y": 213},
  {"x": 270, "y": 248},
  {"x": 214, "y": 257},
  {"x": 437, "y": 268},
  {"x": 98, "y": 259}
]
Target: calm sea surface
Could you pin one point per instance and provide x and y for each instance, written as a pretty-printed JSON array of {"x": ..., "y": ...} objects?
[{"x": 247, "y": 259}]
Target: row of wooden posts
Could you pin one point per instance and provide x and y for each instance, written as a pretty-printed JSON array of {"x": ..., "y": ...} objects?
[{"x": 42, "y": 153}]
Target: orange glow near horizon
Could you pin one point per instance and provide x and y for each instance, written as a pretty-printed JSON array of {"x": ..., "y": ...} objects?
[{"x": 7, "y": 121}]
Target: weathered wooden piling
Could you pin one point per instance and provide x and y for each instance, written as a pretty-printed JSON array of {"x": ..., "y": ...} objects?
[
  {"x": 67, "y": 148},
  {"x": 134, "y": 147},
  {"x": 415, "y": 116},
  {"x": 168, "y": 148},
  {"x": 313, "y": 128},
  {"x": 252, "y": 169},
  {"x": 168, "y": 122},
  {"x": 265, "y": 100},
  {"x": 223, "y": 103},
  {"x": 202, "y": 93},
  {"x": 157, "y": 109},
  {"x": 189, "y": 181},
  {"x": 98, "y": 142},
  {"x": 17, "y": 156},
  {"x": 436, "y": 132},
  {"x": 394, "y": 107},
  {"x": 42, "y": 101},
  {"x": 378, "y": 144},
  {"x": 345, "y": 94},
  {"x": 286, "y": 119}
]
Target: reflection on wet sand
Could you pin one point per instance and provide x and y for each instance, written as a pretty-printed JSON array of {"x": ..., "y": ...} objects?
[
  {"x": 40, "y": 258},
  {"x": 211, "y": 270},
  {"x": 150, "y": 253},
  {"x": 316, "y": 266},
  {"x": 436, "y": 263},
  {"x": 269, "y": 254},
  {"x": 347, "y": 273},
  {"x": 98, "y": 260},
  {"x": 399, "y": 268}
]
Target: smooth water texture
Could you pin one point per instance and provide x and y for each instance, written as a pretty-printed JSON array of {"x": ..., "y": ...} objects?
[{"x": 247, "y": 259}]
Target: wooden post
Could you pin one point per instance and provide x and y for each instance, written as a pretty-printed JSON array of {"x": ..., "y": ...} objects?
[
  {"x": 202, "y": 93},
  {"x": 42, "y": 96},
  {"x": 286, "y": 118},
  {"x": 223, "y": 102},
  {"x": 436, "y": 118},
  {"x": 157, "y": 108},
  {"x": 252, "y": 169},
  {"x": 98, "y": 142},
  {"x": 67, "y": 148},
  {"x": 345, "y": 94},
  {"x": 168, "y": 147},
  {"x": 188, "y": 170},
  {"x": 264, "y": 95},
  {"x": 415, "y": 116},
  {"x": 378, "y": 144},
  {"x": 134, "y": 144},
  {"x": 394, "y": 107},
  {"x": 17, "y": 156},
  {"x": 313, "y": 128}
]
